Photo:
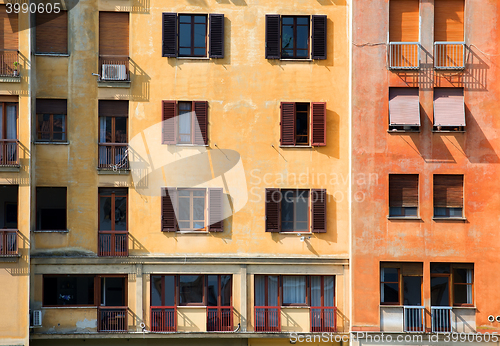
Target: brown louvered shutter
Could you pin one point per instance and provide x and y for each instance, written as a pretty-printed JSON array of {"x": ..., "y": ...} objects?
[
  {"x": 169, "y": 35},
  {"x": 318, "y": 123},
  {"x": 113, "y": 33},
  {"x": 318, "y": 210},
  {"x": 404, "y": 21},
  {"x": 287, "y": 123},
  {"x": 169, "y": 128},
  {"x": 404, "y": 106},
  {"x": 111, "y": 108},
  {"x": 215, "y": 210},
  {"x": 216, "y": 36},
  {"x": 448, "y": 190},
  {"x": 201, "y": 113},
  {"x": 449, "y": 108},
  {"x": 273, "y": 210},
  {"x": 51, "y": 106},
  {"x": 273, "y": 22},
  {"x": 449, "y": 20},
  {"x": 319, "y": 37},
  {"x": 168, "y": 210},
  {"x": 403, "y": 190},
  {"x": 9, "y": 29},
  {"x": 52, "y": 32}
]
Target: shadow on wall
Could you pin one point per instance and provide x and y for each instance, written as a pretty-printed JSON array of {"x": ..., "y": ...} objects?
[
  {"x": 332, "y": 2},
  {"x": 227, "y": 2},
  {"x": 140, "y": 84},
  {"x": 136, "y": 246},
  {"x": 345, "y": 321},
  {"x": 478, "y": 148}
]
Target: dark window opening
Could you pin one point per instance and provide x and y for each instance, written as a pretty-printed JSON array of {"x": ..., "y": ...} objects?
[
  {"x": 51, "y": 120},
  {"x": 113, "y": 291},
  {"x": 113, "y": 209},
  {"x": 68, "y": 290},
  {"x": 302, "y": 124},
  {"x": 8, "y": 121},
  {"x": 448, "y": 128},
  {"x": 191, "y": 289},
  {"x": 389, "y": 286},
  {"x": 295, "y": 211},
  {"x": 51, "y": 208},
  {"x": 192, "y": 35},
  {"x": 294, "y": 37},
  {"x": 8, "y": 206},
  {"x": 412, "y": 290}
]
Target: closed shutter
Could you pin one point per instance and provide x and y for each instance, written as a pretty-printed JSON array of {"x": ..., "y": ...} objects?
[
  {"x": 404, "y": 21},
  {"x": 168, "y": 209},
  {"x": 448, "y": 191},
  {"x": 273, "y": 23},
  {"x": 201, "y": 111},
  {"x": 170, "y": 119},
  {"x": 449, "y": 20},
  {"x": 273, "y": 210},
  {"x": 287, "y": 124},
  {"x": 51, "y": 106},
  {"x": 215, "y": 210},
  {"x": 113, "y": 33},
  {"x": 319, "y": 37},
  {"x": 216, "y": 36},
  {"x": 52, "y": 32},
  {"x": 404, "y": 106},
  {"x": 318, "y": 210},
  {"x": 9, "y": 29},
  {"x": 318, "y": 123},
  {"x": 403, "y": 190},
  {"x": 412, "y": 269},
  {"x": 109, "y": 108},
  {"x": 449, "y": 109},
  {"x": 169, "y": 44}
]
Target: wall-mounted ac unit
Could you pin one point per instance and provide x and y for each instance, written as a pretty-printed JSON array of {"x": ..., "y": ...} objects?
[
  {"x": 114, "y": 72},
  {"x": 36, "y": 318}
]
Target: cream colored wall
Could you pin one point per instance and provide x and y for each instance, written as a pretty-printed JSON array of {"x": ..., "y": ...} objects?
[{"x": 68, "y": 320}]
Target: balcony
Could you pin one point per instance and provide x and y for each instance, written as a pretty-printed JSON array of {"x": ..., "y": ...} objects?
[
  {"x": 323, "y": 319},
  {"x": 441, "y": 319},
  {"x": 7, "y": 60},
  {"x": 404, "y": 55},
  {"x": 113, "y": 156},
  {"x": 164, "y": 319},
  {"x": 267, "y": 319},
  {"x": 112, "y": 319},
  {"x": 113, "y": 244},
  {"x": 413, "y": 317},
  {"x": 8, "y": 243},
  {"x": 9, "y": 153},
  {"x": 449, "y": 55},
  {"x": 114, "y": 68},
  {"x": 220, "y": 319}
]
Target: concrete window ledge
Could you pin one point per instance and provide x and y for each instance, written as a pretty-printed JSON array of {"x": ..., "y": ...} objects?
[
  {"x": 400, "y": 218},
  {"x": 15, "y": 169},
  {"x": 455, "y": 219},
  {"x": 53, "y": 54},
  {"x": 51, "y": 231},
  {"x": 113, "y": 84},
  {"x": 112, "y": 172},
  {"x": 12, "y": 79},
  {"x": 48, "y": 143}
]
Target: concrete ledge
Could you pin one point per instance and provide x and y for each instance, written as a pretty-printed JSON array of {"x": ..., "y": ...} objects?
[
  {"x": 10, "y": 79},
  {"x": 110, "y": 84},
  {"x": 10, "y": 169},
  {"x": 112, "y": 172}
]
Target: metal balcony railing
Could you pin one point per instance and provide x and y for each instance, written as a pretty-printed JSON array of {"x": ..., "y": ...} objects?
[
  {"x": 267, "y": 319},
  {"x": 9, "y": 152},
  {"x": 220, "y": 319},
  {"x": 163, "y": 319},
  {"x": 114, "y": 68},
  {"x": 404, "y": 55},
  {"x": 441, "y": 319},
  {"x": 449, "y": 55},
  {"x": 113, "y": 243},
  {"x": 112, "y": 319},
  {"x": 8, "y": 243},
  {"x": 323, "y": 319},
  {"x": 7, "y": 59},
  {"x": 113, "y": 156},
  {"x": 413, "y": 318}
]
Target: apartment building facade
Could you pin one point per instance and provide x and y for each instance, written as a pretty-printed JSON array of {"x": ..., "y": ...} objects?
[
  {"x": 182, "y": 173},
  {"x": 423, "y": 115}
]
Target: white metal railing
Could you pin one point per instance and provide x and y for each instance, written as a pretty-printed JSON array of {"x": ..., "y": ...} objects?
[
  {"x": 413, "y": 318},
  {"x": 449, "y": 55},
  {"x": 441, "y": 319},
  {"x": 404, "y": 55}
]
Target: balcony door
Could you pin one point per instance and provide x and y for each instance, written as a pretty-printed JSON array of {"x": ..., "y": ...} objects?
[
  {"x": 112, "y": 300},
  {"x": 8, "y": 133}
]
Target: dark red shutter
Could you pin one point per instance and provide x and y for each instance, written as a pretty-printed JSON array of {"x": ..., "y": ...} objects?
[
  {"x": 319, "y": 37},
  {"x": 169, "y": 45},
  {"x": 318, "y": 124},
  {"x": 287, "y": 123},
  {"x": 273, "y": 210},
  {"x": 273, "y": 50},
  {"x": 318, "y": 212},
  {"x": 215, "y": 210},
  {"x": 201, "y": 114},
  {"x": 169, "y": 122},
  {"x": 168, "y": 207},
  {"x": 216, "y": 36}
]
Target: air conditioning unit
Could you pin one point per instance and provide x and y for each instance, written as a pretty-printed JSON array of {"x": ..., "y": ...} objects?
[
  {"x": 114, "y": 72},
  {"x": 36, "y": 318}
]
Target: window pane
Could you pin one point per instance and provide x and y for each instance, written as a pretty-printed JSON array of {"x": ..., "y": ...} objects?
[
  {"x": 329, "y": 291},
  {"x": 463, "y": 294},
  {"x": 200, "y": 19},
  {"x": 302, "y": 53},
  {"x": 390, "y": 275},
  {"x": 225, "y": 294},
  {"x": 316, "y": 291},
  {"x": 121, "y": 130},
  {"x": 461, "y": 276},
  {"x": 11, "y": 130},
  {"x": 184, "y": 51},
  {"x": 287, "y": 37},
  {"x": 105, "y": 213},
  {"x": 199, "y": 51},
  {"x": 169, "y": 290},
  {"x": 184, "y": 209},
  {"x": 302, "y": 36},
  {"x": 185, "y": 35},
  {"x": 200, "y": 33},
  {"x": 184, "y": 224},
  {"x": 68, "y": 290},
  {"x": 59, "y": 136},
  {"x": 412, "y": 290},
  {"x": 113, "y": 291},
  {"x": 121, "y": 213},
  {"x": 184, "y": 19},
  {"x": 199, "y": 193},
  {"x": 456, "y": 212},
  {"x": 439, "y": 291},
  {"x": 106, "y": 130},
  {"x": 185, "y": 127},
  {"x": 395, "y": 211},
  {"x": 410, "y": 211},
  {"x": 294, "y": 290},
  {"x": 287, "y": 203},
  {"x": 287, "y": 20},
  {"x": 260, "y": 290},
  {"x": 199, "y": 209},
  {"x": 43, "y": 122},
  {"x": 59, "y": 123},
  {"x": 302, "y": 207},
  {"x": 390, "y": 293},
  {"x": 272, "y": 290},
  {"x": 190, "y": 289},
  {"x": 440, "y": 268},
  {"x": 213, "y": 290},
  {"x": 287, "y": 53},
  {"x": 439, "y": 211},
  {"x": 156, "y": 291}
]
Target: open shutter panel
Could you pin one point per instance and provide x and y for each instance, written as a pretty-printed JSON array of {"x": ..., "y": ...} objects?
[
  {"x": 201, "y": 114},
  {"x": 318, "y": 124},
  {"x": 449, "y": 109},
  {"x": 318, "y": 206},
  {"x": 404, "y": 107},
  {"x": 273, "y": 210},
  {"x": 9, "y": 28},
  {"x": 216, "y": 36},
  {"x": 168, "y": 206},
  {"x": 319, "y": 37},
  {"x": 169, "y": 122},
  {"x": 52, "y": 32},
  {"x": 113, "y": 33},
  {"x": 169, "y": 45},
  {"x": 287, "y": 124},
  {"x": 273, "y": 36},
  {"x": 215, "y": 211},
  {"x": 448, "y": 191},
  {"x": 403, "y": 190}
]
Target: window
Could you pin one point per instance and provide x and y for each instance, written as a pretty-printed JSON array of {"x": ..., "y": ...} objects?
[
  {"x": 8, "y": 206},
  {"x": 287, "y": 37},
  {"x": 113, "y": 291},
  {"x": 185, "y": 122},
  {"x": 449, "y": 109},
  {"x": 113, "y": 222},
  {"x": 448, "y": 196},
  {"x": 185, "y": 35},
  {"x": 51, "y": 208},
  {"x": 198, "y": 209},
  {"x": 449, "y": 52},
  {"x": 51, "y": 120},
  {"x": 294, "y": 290},
  {"x": 69, "y": 290},
  {"x": 113, "y": 136},
  {"x": 296, "y": 210},
  {"x": 404, "y": 109},
  {"x": 9, "y": 42},
  {"x": 9, "y": 155},
  {"x": 401, "y": 283},
  {"x": 404, "y": 24},
  {"x": 403, "y": 195},
  {"x": 52, "y": 32},
  {"x": 114, "y": 46},
  {"x": 303, "y": 124},
  {"x": 452, "y": 284}
]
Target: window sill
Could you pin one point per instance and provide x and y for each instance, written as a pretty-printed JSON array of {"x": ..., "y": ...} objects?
[
  {"x": 465, "y": 307},
  {"x": 191, "y": 306},
  {"x": 10, "y": 169},
  {"x": 53, "y": 54},
  {"x": 301, "y": 233},
  {"x": 193, "y": 58},
  {"x": 190, "y": 145},
  {"x": 192, "y": 232},
  {"x": 70, "y": 307},
  {"x": 111, "y": 172},
  {"x": 435, "y": 131},
  {"x": 113, "y": 84},
  {"x": 398, "y": 218},
  {"x": 296, "y": 146},
  {"x": 308, "y": 60},
  {"x": 51, "y": 231},
  {"x": 403, "y": 131},
  {"x": 10, "y": 79},
  {"x": 295, "y": 307},
  {"x": 449, "y": 218},
  {"x": 47, "y": 143}
]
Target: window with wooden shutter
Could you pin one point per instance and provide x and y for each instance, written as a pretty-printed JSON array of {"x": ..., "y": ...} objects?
[
  {"x": 273, "y": 23},
  {"x": 302, "y": 124},
  {"x": 216, "y": 36},
  {"x": 52, "y": 32},
  {"x": 168, "y": 213},
  {"x": 51, "y": 120},
  {"x": 9, "y": 30},
  {"x": 114, "y": 34},
  {"x": 201, "y": 123},
  {"x": 273, "y": 210},
  {"x": 169, "y": 35},
  {"x": 449, "y": 20},
  {"x": 169, "y": 110},
  {"x": 404, "y": 109},
  {"x": 403, "y": 195},
  {"x": 318, "y": 123},
  {"x": 185, "y": 122},
  {"x": 287, "y": 123},
  {"x": 215, "y": 210},
  {"x": 319, "y": 35},
  {"x": 318, "y": 210},
  {"x": 449, "y": 109},
  {"x": 404, "y": 21},
  {"x": 448, "y": 195}
]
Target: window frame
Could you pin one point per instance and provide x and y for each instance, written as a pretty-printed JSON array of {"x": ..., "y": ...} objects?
[
  {"x": 401, "y": 276},
  {"x": 37, "y": 221},
  {"x": 3, "y": 133},
  {"x": 113, "y": 130},
  {"x": 191, "y": 204},
  {"x": 455, "y": 266},
  {"x": 70, "y": 305},
  {"x": 394, "y": 178},
  {"x": 51, "y": 131},
  {"x": 382, "y": 283},
  {"x": 295, "y": 25},
  {"x": 113, "y": 199},
  {"x": 192, "y": 46},
  {"x": 309, "y": 210},
  {"x": 447, "y": 209}
]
